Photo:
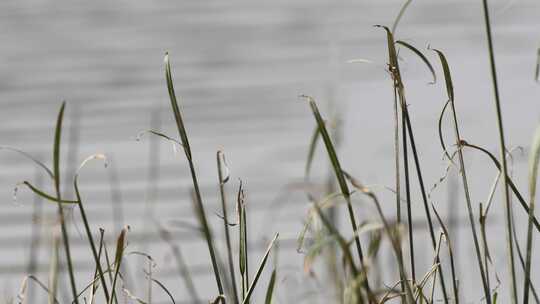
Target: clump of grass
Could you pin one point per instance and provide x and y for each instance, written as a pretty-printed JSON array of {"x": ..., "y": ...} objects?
[
  {"x": 497, "y": 102},
  {"x": 235, "y": 283}
]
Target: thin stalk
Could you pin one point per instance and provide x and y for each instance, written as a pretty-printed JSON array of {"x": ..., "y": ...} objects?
[
  {"x": 450, "y": 254},
  {"x": 533, "y": 175},
  {"x": 220, "y": 158},
  {"x": 96, "y": 271},
  {"x": 506, "y": 194},
  {"x": 398, "y": 85},
  {"x": 118, "y": 261},
  {"x": 35, "y": 238},
  {"x": 91, "y": 240},
  {"x": 510, "y": 182},
  {"x": 408, "y": 192},
  {"x": 462, "y": 170},
  {"x": 181, "y": 264},
  {"x": 341, "y": 181},
  {"x": 483, "y": 235},
  {"x": 397, "y": 184},
  {"x": 187, "y": 149},
  {"x": 395, "y": 242},
  {"x": 53, "y": 269},
  {"x": 522, "y": 261},
  {"x": 109, "y": 271},
  {"x": 61, "y": 218}
]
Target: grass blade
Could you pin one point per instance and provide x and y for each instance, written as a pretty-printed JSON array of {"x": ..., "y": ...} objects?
[
  {"x": 53, "y": 269},
  {"x": 506, "y": 195},
  {"x": 242, "y": 256},
  {"x": 30, "y": 157},
  {"x": 87, "y": 225},
  {"x": 533, "y": 176},
  {"x": 450, "y": 92},
  {"x": 222, "y": 179},
  {"x": 56, "y": 171},
  {"x": 340, "y": 177},
  {"x": 187, "y": 149},
  {"x": 400, "y": 15},
  {"x": 424, "y": 59},
  {"x": 259, "y": 270},
  {"x": 450, "y": 254},
  {"x": 510, "y": 182},
  {"x": 120, "y": 245},
  {"x": 270, "y": 289},
  {"x": 395, "y": 242},
  {"x": 398, "y": 85},
  {"x": 181, "y": 264}
]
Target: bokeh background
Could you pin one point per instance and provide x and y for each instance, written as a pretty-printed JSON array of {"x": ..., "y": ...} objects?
[{"x": 239, "y": 67}]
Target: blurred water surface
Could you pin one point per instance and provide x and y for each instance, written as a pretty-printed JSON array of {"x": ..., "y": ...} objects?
[{"x": 239, "y": 66}]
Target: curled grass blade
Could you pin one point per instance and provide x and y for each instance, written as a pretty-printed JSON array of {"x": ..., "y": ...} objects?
[
  {"x": 30, "y": 157},
  {"x": 41, "y": 193},
  {"x": 510, "y": 182},
  {"x": 450, "y": 92},
  {"x": 424, "y": 59},
  {"x": 407, "y": 130},
  {"x": 158, "y": 283}
]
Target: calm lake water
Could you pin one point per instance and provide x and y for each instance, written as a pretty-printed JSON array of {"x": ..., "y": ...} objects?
[{"x": 239, "y": 66}]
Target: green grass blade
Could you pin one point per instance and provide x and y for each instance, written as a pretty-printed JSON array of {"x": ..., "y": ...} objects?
[
  {"x": 56, "y": 171},
  {"x": 53, "y": 270},
  {"x": 44, "y": 195},
  {"x": 450, "y": 253},
  {"x": 311, "y": 153},
  {"x": 31, "y": 158},
  {"x": 259, "y": 270},
  {"x": 339, "y": 175},
  {"x": 270, "y": 289},
  {"x": 395, "y": 241},
  {"x": 424, "y": 59},
  {"x": 242, "y": 256},
  {"x": 87, "y": 225},
  {"x": 533, "y": 176},
  {"x": 407, "y": 131},
  {"x": 222, "y": 179},
  {"x": 400, "y": 15},
  {"x": 450, "y": 92},
  {"x": 181, "y": 264},
  {"x": 187, "y": 149},
  {"x": 511, "y": 184},
  {"x": 502, "y": 144},
  {"x": 158, "y": 283},
  {"x": 120, "y": 245}
]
